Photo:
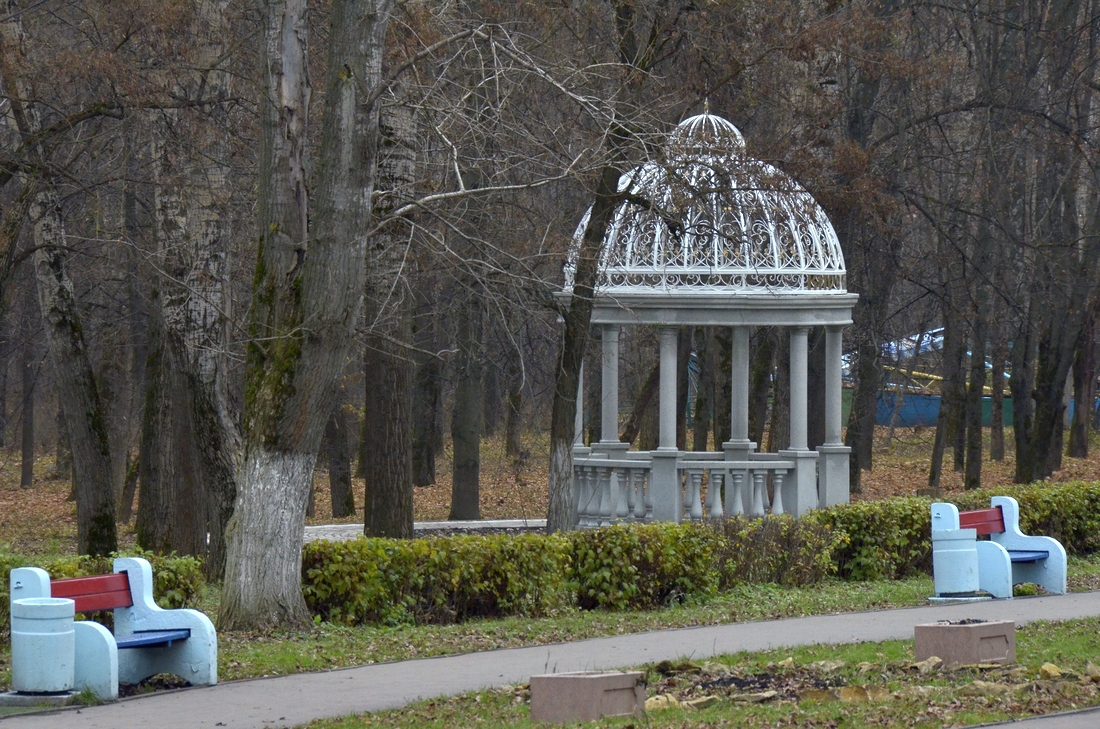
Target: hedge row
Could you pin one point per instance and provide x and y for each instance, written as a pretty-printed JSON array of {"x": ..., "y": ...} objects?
[
  {"x": 451, "y": 579},
  {"x": 890, "y": 539},
  {"x": 176, "y": 579}
]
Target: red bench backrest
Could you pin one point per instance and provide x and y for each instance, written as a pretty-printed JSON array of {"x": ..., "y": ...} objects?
[
  {"x": 103, "y": 592},
  {"x": 986, "y": 521}
]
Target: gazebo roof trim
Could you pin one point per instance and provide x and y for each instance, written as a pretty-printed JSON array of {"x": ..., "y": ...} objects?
[{"x": 710, "y": 219}]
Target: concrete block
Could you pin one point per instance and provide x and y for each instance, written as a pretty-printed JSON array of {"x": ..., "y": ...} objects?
[
  {"x": 966, "y": 641},
  {"x": 587, "y": 695}
]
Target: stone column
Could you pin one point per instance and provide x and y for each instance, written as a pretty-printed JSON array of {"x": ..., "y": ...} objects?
[
  {"x": 799, "y": 393},
  {"x": 800, "y": 487},
  {"x": 833, "y": 453},
  {"x": 667, "y": 496},
  {"x": 609, "y": 368},
  {"x": 738, "y": 447},
  {"x": 578, "y": 419}
]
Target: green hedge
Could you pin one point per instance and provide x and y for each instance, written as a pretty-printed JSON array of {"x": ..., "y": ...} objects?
[
  {"x": 440, "y": 580},
  {"x": 776, "y": 549},
  {"x": 624, "y": 567},
  {"x": 176, "y": 579},
  {"x": 641, "y": 567}
]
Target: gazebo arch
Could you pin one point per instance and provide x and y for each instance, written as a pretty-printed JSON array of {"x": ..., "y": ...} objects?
[{"x": 712, "y": 237}]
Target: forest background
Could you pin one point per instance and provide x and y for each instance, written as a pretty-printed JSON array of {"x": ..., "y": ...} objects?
[{"x": 237, "y": 234}]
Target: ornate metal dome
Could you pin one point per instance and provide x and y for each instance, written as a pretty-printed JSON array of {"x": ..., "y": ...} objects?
[{"x": 710, "y": 219}]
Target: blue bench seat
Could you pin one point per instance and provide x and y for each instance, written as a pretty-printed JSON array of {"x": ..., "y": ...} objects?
[{"x": 142, "y": 638}]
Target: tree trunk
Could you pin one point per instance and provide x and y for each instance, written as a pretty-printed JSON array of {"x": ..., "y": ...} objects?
[
  {"x": 387, "y": 433},
  {"x": 860, "y": 436},
  {"x": 427, "y": 432},
  {"x": 466, "y": 417},
  {"x": 641, "y": 405},
  {"x": 513, "y": 410},
  {"x": 704, "y": 392},
  {"x": 946, "y": 422},
  {"x": 683, "y": 356},
  {"x": 95, "y": 498},
  {"x": 492, "y": 407},
  {"x": 723, "y": 395},
  {"x": 95, "y": 505},
  {"x": 4, "y": 353},
  {"x": 760, "y": 386},
  {"x": 166, "y": 462},
  {"x": 63, "y": 460},
  {"x": 779, "y": 430},
  {"x": 997, "y": 387},
  {"x": 29, "y": 372},
  {"x": 1023, "y": 406},
  {"x": 1084, "y": 389},
  {"x": 302, "y": 283},
  {"x": 973, "y": 473},
  {"x": 815, "y": 381},
  {"x": 339, "y": 463}
]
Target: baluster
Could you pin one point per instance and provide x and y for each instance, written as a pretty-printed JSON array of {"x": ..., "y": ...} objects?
[
  {"x": 648, "y": 486},
  {"x": 605, "y": 497},
  {"x": 777, "y": 487},
  {"x": 709, "y": 501},
  {"x": 696, "y": 490},
  {"x": 758, "y": 489},
  {"x": 592, "y": 503},
  {"x": 637, "y": 483},
  {"x": 580, "y": 481},
  {"x": 736, "y": 500},
  {"x": 631, "y": 499},
  {"x": 685, "y": 475},
  {"x": 714, "y": 494},
  {"x": 623, "y": 493},
  {"x": 764, "y": 494}
]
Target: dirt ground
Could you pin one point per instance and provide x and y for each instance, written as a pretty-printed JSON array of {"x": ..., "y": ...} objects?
[{"x": 41, "y": 520}]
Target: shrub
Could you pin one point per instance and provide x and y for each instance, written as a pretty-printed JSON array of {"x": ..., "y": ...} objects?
[
  {"x": 440, "y": 580},
  {"x": 778, "y": 549},
  {"x": 885, "y": 539},
  {"x": 176, "y": 578},
  {"x": 637, "y": 566}
]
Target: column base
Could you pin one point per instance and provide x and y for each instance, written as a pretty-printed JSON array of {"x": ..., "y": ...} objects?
[
  {"x": 664, "y": 484},
  {"x": 610, "y": 448},
  {"x": 738, "y": 450},
  {"x": 833, "y": 468},
  {"x": 800, "y": 487}
]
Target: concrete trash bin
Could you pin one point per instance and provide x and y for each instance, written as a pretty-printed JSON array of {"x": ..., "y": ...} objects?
[
  {"x": 42, "y": 645},
  {"x": 955, "y": 562}
]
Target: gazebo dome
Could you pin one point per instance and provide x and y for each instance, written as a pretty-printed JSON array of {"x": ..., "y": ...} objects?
[{"x": 709, "y": 219}]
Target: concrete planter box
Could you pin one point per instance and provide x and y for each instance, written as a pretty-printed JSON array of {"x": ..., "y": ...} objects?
[
  {"x": 585, "y": 696},
  {"x": 966, "y": 641}
]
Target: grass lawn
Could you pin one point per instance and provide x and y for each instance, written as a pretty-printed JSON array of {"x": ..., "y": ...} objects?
[{"x": 862, "y": 685}]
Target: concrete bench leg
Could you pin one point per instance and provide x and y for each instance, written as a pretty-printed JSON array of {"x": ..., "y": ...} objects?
[
  {"x": 96, "y": 660},
  {"x": 194, "y": 659},
  {"x": 994, "y": 570}
]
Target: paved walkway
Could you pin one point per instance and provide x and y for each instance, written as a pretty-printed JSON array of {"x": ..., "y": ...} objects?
[
  {"x": 288, "y": 701},
  {"x": 344, "y": 532}
]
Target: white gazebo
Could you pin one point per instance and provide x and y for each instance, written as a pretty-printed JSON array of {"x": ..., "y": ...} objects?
[{"x": 712, "y": 237}]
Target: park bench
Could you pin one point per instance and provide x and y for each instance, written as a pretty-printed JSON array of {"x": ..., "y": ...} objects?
[
  {"x": 964, "y": 565},
  {"x": 151, "y": 639}
]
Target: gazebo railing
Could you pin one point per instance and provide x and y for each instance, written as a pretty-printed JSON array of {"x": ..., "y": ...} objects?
[
  {"x": 611, "y": 491},
  {"x": 746, "y": 486},
  {"x": 617, "y": 490}
]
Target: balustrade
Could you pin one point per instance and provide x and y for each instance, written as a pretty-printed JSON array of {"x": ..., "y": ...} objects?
[{"x": 615, "y": 491}]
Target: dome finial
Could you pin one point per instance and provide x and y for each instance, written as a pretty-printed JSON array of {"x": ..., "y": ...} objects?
[{"x": 706, "y": 105}]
